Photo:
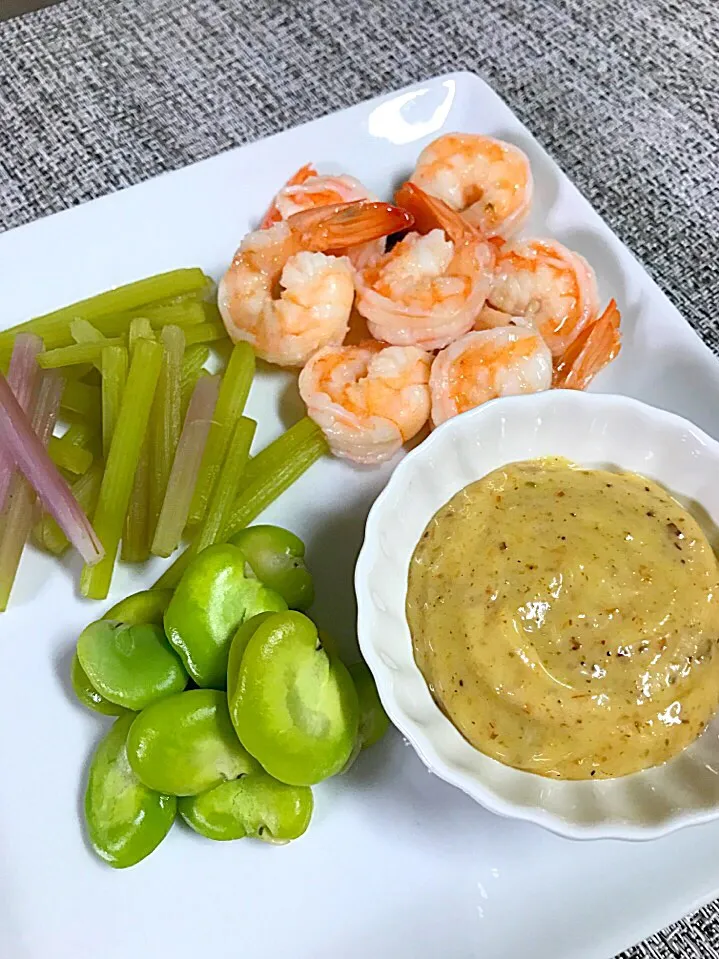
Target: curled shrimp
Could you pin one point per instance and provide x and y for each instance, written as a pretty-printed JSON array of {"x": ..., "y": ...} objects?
[
  {"x": 429, "y": 288},
  {"x": 306, "y": 190},
  {"x": 487, "y": 180},
  {"x": 550, "y": 286},
  {"x": 367, "y": 399},
  {"x": 485, "y": 364},
  {"x": 592, "y": 350},
  {"x": 287, "y": 297}
]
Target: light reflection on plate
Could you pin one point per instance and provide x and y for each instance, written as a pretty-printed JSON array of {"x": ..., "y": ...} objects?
[{"x": 404, "y": 119}]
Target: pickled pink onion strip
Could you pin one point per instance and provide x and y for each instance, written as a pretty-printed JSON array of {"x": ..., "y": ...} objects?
[
  {"x": 20, "y": 441},
  {"x": 21, "y": 377},
  {"x": 186, "y": 466},
  {"x": 18, "y": 517}
]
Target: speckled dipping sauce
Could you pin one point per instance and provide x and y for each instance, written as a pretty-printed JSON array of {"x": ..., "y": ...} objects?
[{"x": 566, "y": 619}]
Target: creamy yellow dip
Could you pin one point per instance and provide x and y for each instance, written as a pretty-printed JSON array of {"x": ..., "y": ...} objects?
[{"x": 566, "y": 620}]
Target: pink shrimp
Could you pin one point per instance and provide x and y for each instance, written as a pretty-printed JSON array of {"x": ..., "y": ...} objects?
[
  {"x": 306, "y": 190},
  {"x": 487, "y": 180},
  {"x": 368, "y": 399},
  {"x": 483, "y": 365},
  {"x": 429, "y": 288},
  {"x": 553, "y": 288},
  {"x": 287, "y": 297}
]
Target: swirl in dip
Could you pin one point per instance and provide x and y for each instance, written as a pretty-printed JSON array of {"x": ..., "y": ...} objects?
[{"x": 566, "y": 620}]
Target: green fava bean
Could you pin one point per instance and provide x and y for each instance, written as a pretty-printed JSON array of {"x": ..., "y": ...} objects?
[
  {"x": 374, "y": 721},
  {"x": 88, "y": 695},
  {"x": 140, "y": 609},
  {"x": 294, "y": 707},
  {"x": 130, "y": 665},
  {"x": 185, "y": 744},
  {"x": 256, "y": 805},
  {"x": 125, "y": 820},
  {"x": 213, "y": 598},
  {"x": 276, "y": 557}
]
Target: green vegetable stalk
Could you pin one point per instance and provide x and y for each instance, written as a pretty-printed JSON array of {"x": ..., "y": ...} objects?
[{"x": 122, "y": 460}]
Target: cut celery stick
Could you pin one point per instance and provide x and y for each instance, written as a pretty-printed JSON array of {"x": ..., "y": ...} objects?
[
  {"x": 205, "y": 333},
  {"x": 140, "y": 329},
  {"x": 75, "y": 354},
  {"x": 82, "y": 399},
  {"x": 54, "y": 327},
  {"x": 69, "y": 456},
  {"x": 82, "y": 331},
  {"x": 165, "y": 422},
  {"x": 273, "y": 457},
  {"x": 47, "y": 534},
  {"x": 18, "y": 513},
  {"x": 182, "y": 313},
  {"x": 230, "y": 404},
  {"x": 223, "y": 496},
  {"x": 281, "y": 463},
  {"x": 264, "y": 488},
  {"x": 136, "y": 534},
  {"x": 122, "y": 460},
  {"x": 183, "y": 477},
  {"x": 114, "y": 375},
  {"x": 192, "y": 362}
]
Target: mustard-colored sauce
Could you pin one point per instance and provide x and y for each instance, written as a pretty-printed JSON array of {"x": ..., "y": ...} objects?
[{"x": 566, "y": 620}]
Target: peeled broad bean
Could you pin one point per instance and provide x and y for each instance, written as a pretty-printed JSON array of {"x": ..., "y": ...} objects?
[
  {"x": 88, "y": 695},
  {"x": 277, "y": 558},
  {"x": 130, "y": 665},
  {"x": 186, "y": 744},
  {"x": 256, "y": 805},
  {"x": 147, "y": 607},
  {"x": 294, "y": 707},
  {"x": 125, "y": 820},
  {"x": 213, "y": 598}
]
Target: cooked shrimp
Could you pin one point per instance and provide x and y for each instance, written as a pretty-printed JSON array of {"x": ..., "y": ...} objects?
[
  {"x": 593, "y": 349},
  {"x": 550, "y": 286},
  {"x": 490, "y": 319},
  {"x": 368, "y": 399},
  {"x": 487, "y": 180},
  {"x": 284, "y": 295},
  {"x": 483, "y": 365},
  {"x": 305, "y": 190},
  {"x": 429, "y": 288}
]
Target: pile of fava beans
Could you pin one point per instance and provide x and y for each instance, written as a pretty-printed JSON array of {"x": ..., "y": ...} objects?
[{"x": 229, "y": 704}]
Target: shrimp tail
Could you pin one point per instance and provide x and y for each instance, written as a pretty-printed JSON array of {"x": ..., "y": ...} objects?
[
  {"x": 593, "y": 349},
  {"x": 344, "y": 225},
  {"x": 273, "y": 215},
  {"x": 431, "y": 213}
]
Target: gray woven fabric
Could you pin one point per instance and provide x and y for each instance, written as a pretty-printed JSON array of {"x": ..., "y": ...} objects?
[{"x": 94, "y": 97}]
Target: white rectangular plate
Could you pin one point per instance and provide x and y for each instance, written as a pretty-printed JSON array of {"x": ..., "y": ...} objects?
[{"x": 396, "y": 864}]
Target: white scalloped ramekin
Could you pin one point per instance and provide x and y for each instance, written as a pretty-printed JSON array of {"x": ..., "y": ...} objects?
[{"x": 591, "y": 429}]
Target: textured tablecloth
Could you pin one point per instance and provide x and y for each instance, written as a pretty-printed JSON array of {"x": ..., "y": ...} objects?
[{"x": 94, "y": 97}]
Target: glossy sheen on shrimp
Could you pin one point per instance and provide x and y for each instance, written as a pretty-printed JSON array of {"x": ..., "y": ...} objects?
[
  {"x": 487, "y": 180},
  {"x": 367, "y": 399},
  {"x": 483, "y": 365},
  {"x": 429, "y": 288},
  {"x": 306, "y": 190},
  {"x": 550, "y": 286},
  {"x": 287, "y": 297}
]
